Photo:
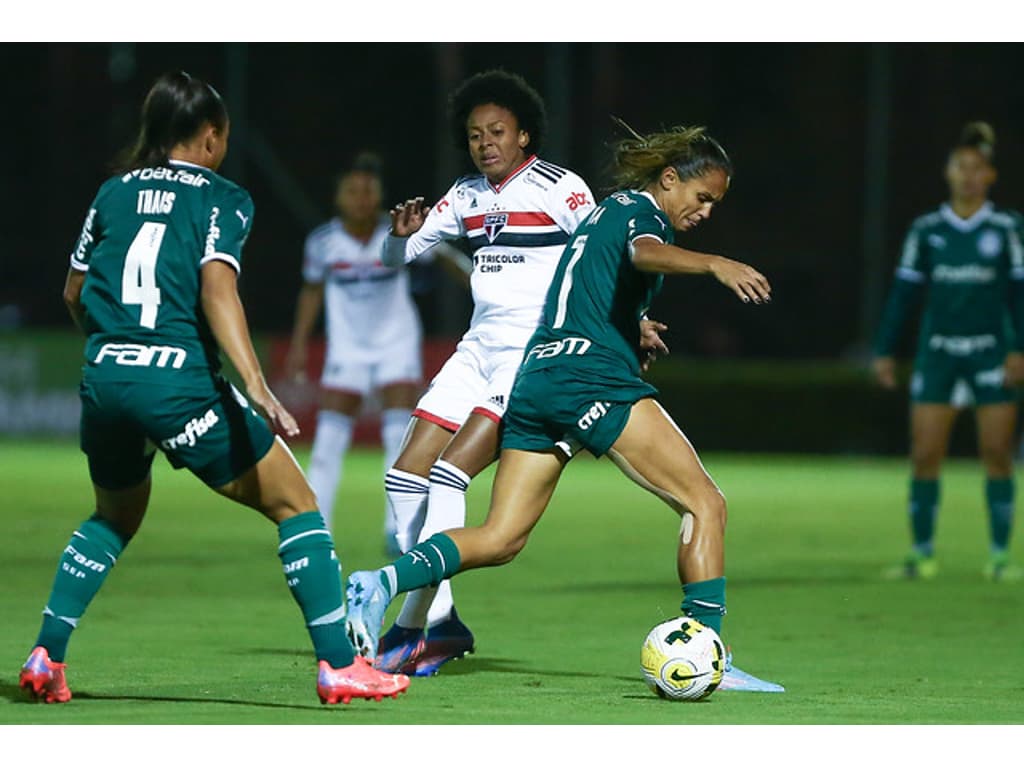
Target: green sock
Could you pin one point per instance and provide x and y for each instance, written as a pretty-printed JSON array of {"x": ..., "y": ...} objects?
[
  {"x": 87, "y": 559},
  {"x": 314, "y": 578},
  {"x": 426, "y": 564},
  {"x": 999, "y": 495},
  {"x": 924, "y": 505},
  {"x": 705, "y": 602}
]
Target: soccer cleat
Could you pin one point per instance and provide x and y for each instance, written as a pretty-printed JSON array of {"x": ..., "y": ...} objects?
[
  {"x": 736, "y": 679},
  {"x": 1000, "y": 569},
  {"x": 399, "y": 646},
  {"x": 447, "y": 641},
  {"x": 44, "y": 679},
  {"x": 356, "y": 681},
  {"x": 367, "y": 601},
  {"x": 914, "y": 567}
]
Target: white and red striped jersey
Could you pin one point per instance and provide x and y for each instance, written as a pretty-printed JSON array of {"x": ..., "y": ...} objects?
[
  {"x": 367, "y": 305},
  {"x": 517, "y": 230}
]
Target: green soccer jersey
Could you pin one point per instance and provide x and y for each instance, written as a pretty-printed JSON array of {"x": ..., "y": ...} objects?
[
  {"x": 597, "y": 297},
  {"x": 144, "y": 242},
  {"x": 969, "y": 274}
]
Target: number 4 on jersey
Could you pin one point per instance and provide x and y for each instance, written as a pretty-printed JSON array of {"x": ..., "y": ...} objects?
[{"x": 138, "y": 280}]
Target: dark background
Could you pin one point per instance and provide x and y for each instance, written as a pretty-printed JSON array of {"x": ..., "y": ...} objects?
[{"x": 836, "y": 147}]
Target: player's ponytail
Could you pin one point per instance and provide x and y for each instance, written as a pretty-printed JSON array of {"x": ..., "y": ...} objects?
[
  {"x": 175, "y": 109},
  {"x": 978, "y": 135},
  {"x": 639, "y": 160}
]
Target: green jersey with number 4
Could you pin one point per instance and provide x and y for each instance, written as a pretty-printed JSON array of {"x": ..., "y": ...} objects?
[
  {"x": 597, "y": 297},
  {"x": 145, "y": 239}
]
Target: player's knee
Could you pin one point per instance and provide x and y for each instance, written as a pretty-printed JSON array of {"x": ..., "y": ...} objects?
[{"x": 501, "y": 548}]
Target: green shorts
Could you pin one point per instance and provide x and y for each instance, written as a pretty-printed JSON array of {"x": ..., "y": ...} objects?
[
  {"x": 975, "y": 379},
  {"x": 567, "y": 406},
  {"x": 213, "y": 433}
]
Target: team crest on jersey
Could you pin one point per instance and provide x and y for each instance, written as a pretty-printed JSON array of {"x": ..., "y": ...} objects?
[
  {"x": 989, "y": 244},
  {"x": 493, "y": 224}
]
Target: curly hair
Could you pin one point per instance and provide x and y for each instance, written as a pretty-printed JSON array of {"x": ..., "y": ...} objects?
[
  {"x": 639, "y": 160},
  {"x": 505, "y": 89}
]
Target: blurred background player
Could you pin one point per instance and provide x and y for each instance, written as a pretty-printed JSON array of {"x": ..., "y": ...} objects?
[
  {"x": 964, "y": 264},
  {"x": 373, "y": 331},
  {"x": 517, "y": 213},
  {"x": 580, "y": 387},
  {"x": 153, "y": 285}
]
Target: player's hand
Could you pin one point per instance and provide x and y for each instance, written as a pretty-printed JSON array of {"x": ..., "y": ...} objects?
[
  {"x": 884, "y": 369},
  {"x": 408, "y": 217},
  {"x": 651, "y": 344},
  {"x": 268, "y": 406},
  {"x": 295, "y": 363},
  {"x": 745, "y": 281},
  {"x": 1013, "y": 369}
]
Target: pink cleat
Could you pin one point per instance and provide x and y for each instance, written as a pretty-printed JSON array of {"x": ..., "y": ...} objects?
[
  {"x": 359, "y": 680},
  {"x": 44, "y": 679}
]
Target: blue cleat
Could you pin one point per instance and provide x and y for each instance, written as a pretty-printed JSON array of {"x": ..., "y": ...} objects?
[
  {"x": 367, "y": 600},
  {"x": 736, "y": 679},
  {"x": 447, "y": 641},
  {"x": 398, "y": 647}
]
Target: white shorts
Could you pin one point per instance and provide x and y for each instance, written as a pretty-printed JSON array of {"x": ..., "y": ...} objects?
[
  {"x": 475, "y": 379},
  {"x": 359, "y": 374}
]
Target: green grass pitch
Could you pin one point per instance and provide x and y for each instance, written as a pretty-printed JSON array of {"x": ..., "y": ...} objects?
[{"x": 195, "y": 624}]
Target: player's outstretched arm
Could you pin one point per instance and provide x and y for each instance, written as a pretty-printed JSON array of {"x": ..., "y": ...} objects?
[
  {"x": 223, "y": 309},
  {"x": 652, "y": 255}
]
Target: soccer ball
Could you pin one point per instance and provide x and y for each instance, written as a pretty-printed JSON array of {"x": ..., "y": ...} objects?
[{"x": 682, "y": 659}]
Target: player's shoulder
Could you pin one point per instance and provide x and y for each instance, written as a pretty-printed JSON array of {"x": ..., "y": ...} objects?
[
  {"x": 556, "y": 175},
  {"x": 927, "y": 220},
  {"x": 1007, "y": 218},
  {"x": 324, "y": 230},
  {"x": 469, "y": 181}
]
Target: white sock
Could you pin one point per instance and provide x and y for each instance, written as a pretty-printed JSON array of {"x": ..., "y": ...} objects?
[
  {"x": 333, "y": 435},
  {"x": 407, "y": 505},
  {"x": 445, "y": 509},
  {"x": 394, "y": 422}
]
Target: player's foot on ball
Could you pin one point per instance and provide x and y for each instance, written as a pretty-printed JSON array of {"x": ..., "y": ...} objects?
[
  {"x": 398, "y": 647},
  {"x": 44, "y": 679},
  {"x": 736, "y": 679},
  {"x": 367, "y": 601},
  {"x": 446, "y": 641},
  {"x": 1000, "y": 569},
  {"x": 914, "y": 567},
  {"x": 356, "y": 681}
]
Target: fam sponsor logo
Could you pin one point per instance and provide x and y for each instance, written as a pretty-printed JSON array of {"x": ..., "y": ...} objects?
[
  {"x": 84, "y": 563},
  {"x": 572, "y": 345},
  {"x": 194, "y": 429},
  {"x": 142, "y": 355},
  {"x": 595, "y": 412}
]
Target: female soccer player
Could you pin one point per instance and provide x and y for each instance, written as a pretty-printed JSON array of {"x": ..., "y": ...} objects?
[
  {"x": 580, "y": 386},
  {"x": 373, "y": 330},
  {"x": 964, "y": 263},
  {"x": 517, "y": 214},
  {"x": 152, "y": 284}
]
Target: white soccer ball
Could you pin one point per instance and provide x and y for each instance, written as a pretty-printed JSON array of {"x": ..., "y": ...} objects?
[{"x": 683, "y": 659}]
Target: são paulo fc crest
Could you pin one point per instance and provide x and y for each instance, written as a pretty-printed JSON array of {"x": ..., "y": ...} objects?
[
  {"x": 493, "y": 224},
  {"x": 989, "y": 244}
]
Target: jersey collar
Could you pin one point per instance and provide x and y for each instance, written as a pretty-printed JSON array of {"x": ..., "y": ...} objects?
[
  {"x": 966, "y": 225},
  {"x": 504, "y": 182}
]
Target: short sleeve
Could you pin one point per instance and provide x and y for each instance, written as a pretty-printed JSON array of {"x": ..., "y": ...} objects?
[
  {"x": 82, "y": 253},
  {"x": 229, "y": 222},
  {"x": 647, "y": 223},
  {"x": 314, "y": 265},
  {"x": 570, "y": 202},
  {"x": 912, "y": 267}
]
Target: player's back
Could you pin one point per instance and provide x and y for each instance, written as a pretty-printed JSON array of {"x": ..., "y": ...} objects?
[{"x": 145, "y": 239}]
